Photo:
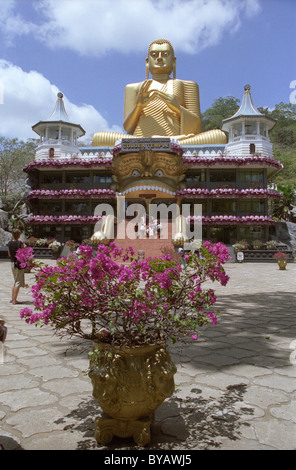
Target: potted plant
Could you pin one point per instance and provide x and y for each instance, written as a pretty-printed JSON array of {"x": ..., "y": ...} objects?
[
  {"x": 54, "y": 246},
  {"x": 281, "y": 258},
  {"x": 31, "y": 241},
  {"x": 257, "y": 244},
  {"x": 41, "y": 242},
  {"x": 271, "y": 245},
  {"x": 71, "y": 244},
  {"x": 241, "y": 245},
  {"x": 131, "y": 310}
]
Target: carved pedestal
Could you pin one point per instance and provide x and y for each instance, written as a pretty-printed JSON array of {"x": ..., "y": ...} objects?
[
  {"x": 129, "y": 384},
  {"x": 138, "y": 429}
]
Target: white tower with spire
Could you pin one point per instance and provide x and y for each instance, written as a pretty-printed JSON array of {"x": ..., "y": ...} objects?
[
  {"x": 248, "y": 130},
  {"x": 58, "y": 136}
]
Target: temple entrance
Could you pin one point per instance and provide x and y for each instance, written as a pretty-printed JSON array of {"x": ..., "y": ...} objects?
[
  {"x": 226, "y": 235},
  {"x": 77, "y": 233}
]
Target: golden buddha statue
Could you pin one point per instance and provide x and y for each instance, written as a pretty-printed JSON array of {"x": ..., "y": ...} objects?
[{"x": 162, "y": 106}]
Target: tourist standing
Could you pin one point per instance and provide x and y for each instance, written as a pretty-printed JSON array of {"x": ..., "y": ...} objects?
[
  {"x": 159, "y": 229},
  {"x": 142, "y": 231},
  {"x": 18, "y": 274},
  {"x": 181, "y": 253}
]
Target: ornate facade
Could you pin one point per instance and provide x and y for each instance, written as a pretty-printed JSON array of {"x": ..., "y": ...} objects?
[{"x": 230, "y": 181}]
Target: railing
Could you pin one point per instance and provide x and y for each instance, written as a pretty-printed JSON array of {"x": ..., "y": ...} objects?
[{"x": 249, "y": 137}]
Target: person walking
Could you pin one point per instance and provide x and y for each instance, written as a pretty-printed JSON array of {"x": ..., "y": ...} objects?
[
  {"x": 18, "y": 274},
  {"x": 182, "y": 255},
  {"x": 159, "y": 229},
  {"x": 142, "y": 231}
]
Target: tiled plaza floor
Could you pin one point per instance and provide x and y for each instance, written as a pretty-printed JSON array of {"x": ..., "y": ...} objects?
[{"x": 235, "y": 388}]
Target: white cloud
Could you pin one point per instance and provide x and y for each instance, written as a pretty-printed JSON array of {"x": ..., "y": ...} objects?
[
  {"x": 29, "y": 97},
  {"x": 95, "y": 27}
]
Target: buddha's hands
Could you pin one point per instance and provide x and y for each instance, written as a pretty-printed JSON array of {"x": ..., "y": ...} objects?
[
  {"x": 171, "y": 100},
  {"x": 145, "y": 96}
]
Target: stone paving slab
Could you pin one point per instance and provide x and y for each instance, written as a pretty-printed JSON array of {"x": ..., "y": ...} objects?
[{"x": 235, "y": 387}]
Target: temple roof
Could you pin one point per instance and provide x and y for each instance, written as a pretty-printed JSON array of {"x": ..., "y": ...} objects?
[
  {"x": 59, "y": 112},
  {"x": 248, "y": 109},
  {"x": 58, "y": 116}
]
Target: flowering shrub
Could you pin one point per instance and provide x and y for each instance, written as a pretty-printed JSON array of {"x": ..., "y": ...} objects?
[
  {"x": 26, "y": 257},
  {"x": 41, "y": 242},
  {"x": 31, "y": 241},
  {"x": 280, "y": 255},
  {"x": 257, "y": 244},
  {"x": 271, "y": 244},
  {"x": 54, "y": 245},
  {"x": 241, "y": 245},
  {"x": 102, "y": 297}
]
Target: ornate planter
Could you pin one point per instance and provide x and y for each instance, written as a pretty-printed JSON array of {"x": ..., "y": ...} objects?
[
  {"x": 282, "y": 264},
  {"x": 129, "y": 384}
]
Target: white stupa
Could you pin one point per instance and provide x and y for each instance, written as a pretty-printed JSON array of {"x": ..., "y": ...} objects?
[
  {"x": 248, "y": 130},
  {"x": 58, "y": 136}
]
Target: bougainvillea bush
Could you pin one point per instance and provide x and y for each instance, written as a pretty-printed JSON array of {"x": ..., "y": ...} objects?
[{"x": 115, "y": 298}]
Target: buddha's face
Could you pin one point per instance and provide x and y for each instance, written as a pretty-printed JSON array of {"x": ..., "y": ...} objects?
[{"x": 160, "y": 59}]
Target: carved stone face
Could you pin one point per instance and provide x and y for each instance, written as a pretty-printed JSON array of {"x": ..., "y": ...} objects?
[{"x": 147, "y": 172}]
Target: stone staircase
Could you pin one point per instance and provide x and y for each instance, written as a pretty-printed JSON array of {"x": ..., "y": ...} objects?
[{"x": 151, "y": 246}]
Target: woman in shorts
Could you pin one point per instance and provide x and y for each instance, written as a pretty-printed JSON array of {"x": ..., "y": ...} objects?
[{"x": 18, "y": 274}]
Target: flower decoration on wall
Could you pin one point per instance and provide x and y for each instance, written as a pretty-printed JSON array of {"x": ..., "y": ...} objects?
[
  {"x": 229, "y": 192},
  {"x": 64, "y": 219},
  {"x": 237, "y": 161},
  {"x": 231, "y": 220},
  {"x": 69, "y": 162},
  {"x": 70, "y": 193}
]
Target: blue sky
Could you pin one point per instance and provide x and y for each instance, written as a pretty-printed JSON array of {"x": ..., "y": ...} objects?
[{"x": 90, "y": 49}]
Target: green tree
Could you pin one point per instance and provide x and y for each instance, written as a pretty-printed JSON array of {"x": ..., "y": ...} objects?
[
  {"x": 14, "y": 155},
  {"x": 284, "y": 132},
  {"x": 222, "y": 108},
  {"x": 283, "y": 206}
]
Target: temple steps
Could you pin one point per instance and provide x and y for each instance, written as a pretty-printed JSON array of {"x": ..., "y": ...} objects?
[{"x": 151, "y": 246}]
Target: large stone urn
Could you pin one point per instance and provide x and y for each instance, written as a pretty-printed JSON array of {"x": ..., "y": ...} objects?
[
  {"x": 282, "y": 263},
  {"x": 129, "y": 385}
]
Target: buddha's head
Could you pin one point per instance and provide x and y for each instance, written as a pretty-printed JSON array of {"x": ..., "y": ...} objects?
[{"x": 161, "y": 58}]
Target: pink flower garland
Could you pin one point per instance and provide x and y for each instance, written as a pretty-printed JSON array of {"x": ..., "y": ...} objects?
[
  {"x": 228, "y": 192},
  {"x": 237, "y": 161},
  {"x": 231, "y": 220},
  {"x": 64, "y": 219},
  {"x": 71, "y": 162},
  {"x": 70, "y": 193}
]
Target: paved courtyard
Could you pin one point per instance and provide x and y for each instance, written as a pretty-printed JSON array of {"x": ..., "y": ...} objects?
[{"x": 235, "y": 387}]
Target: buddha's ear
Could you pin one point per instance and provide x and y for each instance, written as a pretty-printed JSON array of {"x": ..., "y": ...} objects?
[
  {"x": 174, "y": 66},
  {"x": 147, "y": 68}
]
